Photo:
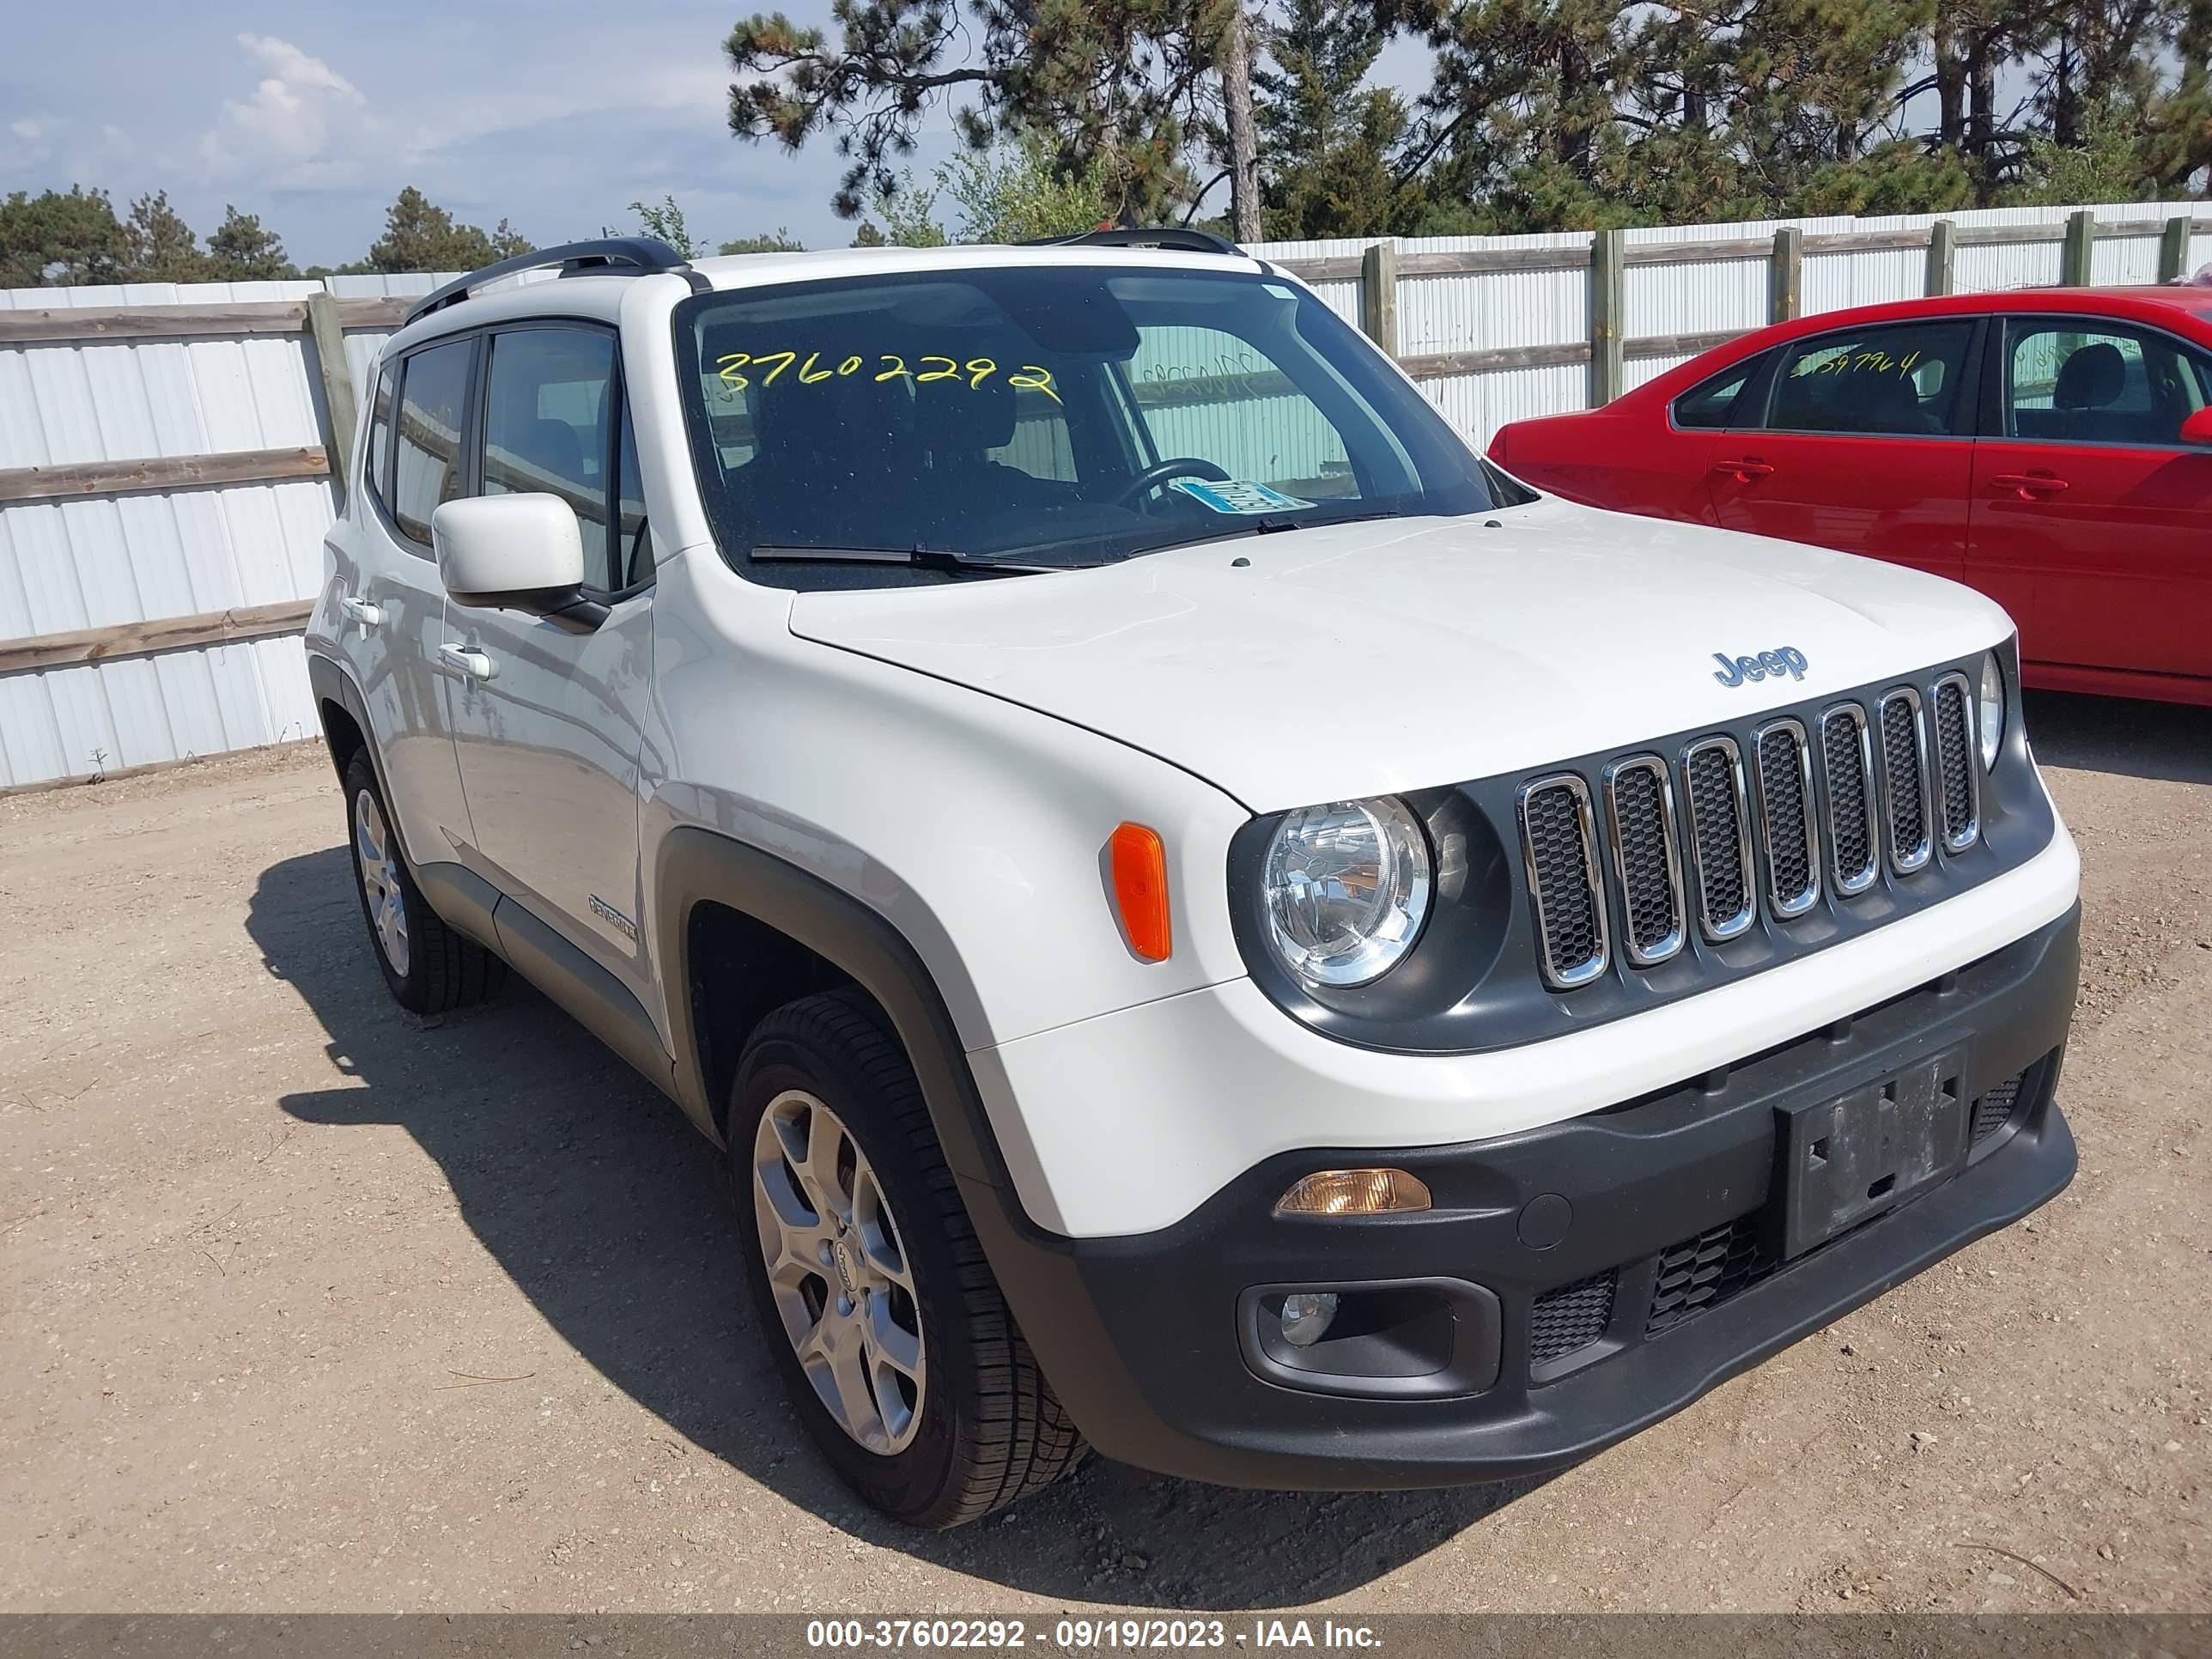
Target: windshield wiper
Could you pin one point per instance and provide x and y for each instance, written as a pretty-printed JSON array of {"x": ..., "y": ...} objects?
[
  {"x": 1273, "y": 524},
  {"x": 920, "y": 554}
]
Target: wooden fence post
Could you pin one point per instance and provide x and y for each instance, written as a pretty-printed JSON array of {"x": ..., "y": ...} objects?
[
  {"x": 1785, "y": 273},
  {"x": 329, "y": 334},
  {"x": 1609, "y": 294},
  {"x": 1942, "y": 258},
  {"x": 2073, "y": 252},
  {"x": 1378, "y": 294},
  {"x": 2173, "y": 249}
]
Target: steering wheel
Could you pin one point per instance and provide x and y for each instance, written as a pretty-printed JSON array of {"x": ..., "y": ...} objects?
[{"x": 1186, "y": 466}]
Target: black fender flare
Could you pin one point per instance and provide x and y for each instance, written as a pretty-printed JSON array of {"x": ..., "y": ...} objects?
[
  {"x": 1035, "y": 1269},
  {"x": 331, "y": 682},
  {"x": 696, "y": 866}
]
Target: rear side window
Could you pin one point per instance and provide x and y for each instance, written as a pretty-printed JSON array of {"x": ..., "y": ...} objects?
[
  {"x": 1901, "y": 379},
  {"x": 1711, "y": 403},
  {"x": 378, "y": 481},
  {"x": 2086, "y": 380},
  {"x": 434, "y": 394},
  {"x": 546, "y": 427}
]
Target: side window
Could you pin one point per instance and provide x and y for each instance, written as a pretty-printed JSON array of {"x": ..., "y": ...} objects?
[
  {"x": 2084, "y": 380},
  {"x": 545, "y": 427},
  {"x": 434, "y": 394},
  {"x": 632, "y": 536},
  {"x": 1711, "y": 403},
  {"x": 378, "y": 482},
  {"x": 1899, "y": 378}
]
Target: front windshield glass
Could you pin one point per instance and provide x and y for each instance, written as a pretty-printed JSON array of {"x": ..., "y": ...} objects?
[{"x": 1044, "y": 414}]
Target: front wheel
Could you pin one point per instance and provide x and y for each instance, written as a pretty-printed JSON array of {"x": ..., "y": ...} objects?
[{"x": 898, "y": 1351}]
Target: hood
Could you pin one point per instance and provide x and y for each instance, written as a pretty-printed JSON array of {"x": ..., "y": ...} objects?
[{"x": 1368, "y": 658}]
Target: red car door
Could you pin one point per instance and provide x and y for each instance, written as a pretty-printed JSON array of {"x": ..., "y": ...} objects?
[
  {"x": 1865, "y": 445},
  {"x": 2091, "y": 519}
]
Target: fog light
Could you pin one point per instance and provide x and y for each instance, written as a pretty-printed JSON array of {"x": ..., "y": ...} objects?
[
  {"x": 1307, "y": 1315},
  {"x": 1354, "y": 1192}
]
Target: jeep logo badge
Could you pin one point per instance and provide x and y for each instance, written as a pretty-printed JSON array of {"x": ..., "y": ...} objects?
[{"x": 1767, "y": 664}]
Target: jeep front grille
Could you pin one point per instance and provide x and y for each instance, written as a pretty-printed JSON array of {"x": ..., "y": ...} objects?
[
  {"x": 1905, "y": 779},
  {"x": 1640, "y": 804},
  {"x": 1720, "y": 837},
  {"x": 1955, "y": 763},
  {"x": 1847, "y": 769},
  {"x": 1558, "y": 846},
  {"x": 1738, "y": 829},
  {"x": 1787, "y": 834}
]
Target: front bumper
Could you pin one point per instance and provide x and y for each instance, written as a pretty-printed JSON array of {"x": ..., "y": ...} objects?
[{"x": 1600, "y": 1272}]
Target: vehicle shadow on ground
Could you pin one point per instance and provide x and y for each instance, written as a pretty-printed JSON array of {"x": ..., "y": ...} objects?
[
  {"x": 608, "y": 1210},
  {"x": 2162, "y": 741}
]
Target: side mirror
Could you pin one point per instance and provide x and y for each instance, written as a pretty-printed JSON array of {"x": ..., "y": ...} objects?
[
  {"x": 520, "y": 552},
  {"x": 2197, "y": 429}
]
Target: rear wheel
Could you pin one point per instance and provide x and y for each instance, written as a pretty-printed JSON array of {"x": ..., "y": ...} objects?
[
  {"x": 429, "y": 967},
  {"x": 898, "y": 1350}
]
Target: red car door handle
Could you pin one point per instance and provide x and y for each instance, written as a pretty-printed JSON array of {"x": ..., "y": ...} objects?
[
  {"x": 1745, "y": 471},
  {"x": 2029, "y": 485}
]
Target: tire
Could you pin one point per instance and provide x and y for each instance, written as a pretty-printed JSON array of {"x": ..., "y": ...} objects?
[
  {"x": 971, "y": 1424},
  {"x": 430, "y": 967}
]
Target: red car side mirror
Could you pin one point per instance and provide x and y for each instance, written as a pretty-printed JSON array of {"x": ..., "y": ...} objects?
[{"x": 2197, "y": 429}]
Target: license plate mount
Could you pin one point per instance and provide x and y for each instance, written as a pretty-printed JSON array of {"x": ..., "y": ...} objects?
[{"x": 1848, "y": 1158}]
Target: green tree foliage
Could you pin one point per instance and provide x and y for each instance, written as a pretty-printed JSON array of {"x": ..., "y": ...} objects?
[
  {"x": 778, "y": 241},
  {"x": 242, "y": 250},
  {"x": 1012, "y": 192},
  {"x": 419, "y": 235},
  {"x": 1123, "y": 84},
  {"x": 161, "y": 246},
  {"x": 53, "y": 239},
  {"x": 663, "y": 221}
]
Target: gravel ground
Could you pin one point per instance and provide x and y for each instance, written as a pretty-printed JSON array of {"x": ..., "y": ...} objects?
[{"x": 305, "y": 1304}]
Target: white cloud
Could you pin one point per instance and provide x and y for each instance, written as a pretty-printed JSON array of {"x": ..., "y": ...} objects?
[
  {"x": 27, "y": 129},
  {"x": 305, "y": 124}
]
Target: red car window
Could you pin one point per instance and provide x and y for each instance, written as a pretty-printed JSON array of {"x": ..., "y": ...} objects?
[
  {"x": 2089, "y": 380},
  {"x": 1896, "y": 378}
]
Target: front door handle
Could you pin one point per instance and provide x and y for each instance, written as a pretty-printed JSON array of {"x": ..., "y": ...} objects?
[
  {"x": 2029, "y": 485},
  {"x": 362, "y": 612},
  {"x": 1745, "y": 471},
  {"x": 468, "y": 662}
]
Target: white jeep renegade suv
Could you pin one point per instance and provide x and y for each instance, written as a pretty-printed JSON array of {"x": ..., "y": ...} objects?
[{"x": 1209, "y": 920}]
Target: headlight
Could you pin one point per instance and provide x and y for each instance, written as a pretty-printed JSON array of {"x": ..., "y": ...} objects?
[
  {"x": 1347, "y": 890},
  {"x": 1992, "y": 707}
]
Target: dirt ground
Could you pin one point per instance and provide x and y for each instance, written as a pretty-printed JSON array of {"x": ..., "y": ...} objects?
[{"x": 305, "y": 1304}]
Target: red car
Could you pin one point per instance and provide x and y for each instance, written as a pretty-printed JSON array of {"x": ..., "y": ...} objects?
[{"x": 2051, "y": 447}]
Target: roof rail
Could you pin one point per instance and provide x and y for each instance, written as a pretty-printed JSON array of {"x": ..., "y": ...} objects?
[
  {"x": 1177, "y": 237},
  {"x": 639, "y": 254}
]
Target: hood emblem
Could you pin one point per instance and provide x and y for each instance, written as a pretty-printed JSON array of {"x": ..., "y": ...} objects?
[{"x": 1767, "y": 664}]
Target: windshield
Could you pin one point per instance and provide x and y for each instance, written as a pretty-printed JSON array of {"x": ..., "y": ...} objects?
[{"x": 1043, "y": 414}]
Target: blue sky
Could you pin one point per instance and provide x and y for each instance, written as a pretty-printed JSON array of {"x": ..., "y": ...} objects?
[{"x": 556, "y": 114}]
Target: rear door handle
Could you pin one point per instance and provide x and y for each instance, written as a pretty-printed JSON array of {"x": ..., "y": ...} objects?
[
  {"x": 362, "y": 612},
  {"x": 1745, "y": 471},
  {"x": 2029, "y": 485},
  {"x": 468, "y": 662}
]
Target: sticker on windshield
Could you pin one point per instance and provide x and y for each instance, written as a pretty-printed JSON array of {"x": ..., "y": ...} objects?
[{"x": 1235, "y": 495}]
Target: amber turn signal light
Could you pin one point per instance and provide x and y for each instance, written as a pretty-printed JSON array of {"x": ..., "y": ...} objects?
[
  {"x": 1140, "y": 890},
  {"x": 1354, "y": 1192}
]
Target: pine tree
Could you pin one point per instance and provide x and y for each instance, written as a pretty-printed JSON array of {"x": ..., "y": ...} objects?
[
  {"x": 161, "y": 247},
  {"x": 240, "y": 250},
  {"x": 420, "y": 236}
]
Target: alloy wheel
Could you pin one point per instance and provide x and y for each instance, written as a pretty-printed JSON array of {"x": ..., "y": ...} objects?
[
  {"x": 839, "y": 1276},
  {"x": 378, "y": 860}
]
